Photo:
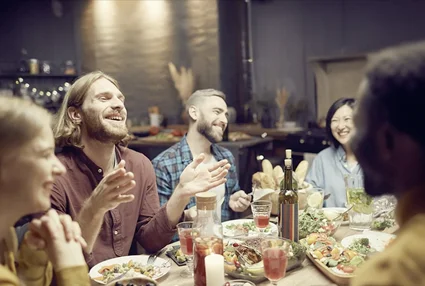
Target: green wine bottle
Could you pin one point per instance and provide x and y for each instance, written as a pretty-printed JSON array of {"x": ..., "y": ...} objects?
[{"x": 288, "y": 206}]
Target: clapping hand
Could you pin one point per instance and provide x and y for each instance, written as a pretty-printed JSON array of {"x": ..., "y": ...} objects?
[
  {"x": 197, "y": 177},
  {"x": 51, "y": 227},
  {"x": 60, "y": 237},
  {"x": 112, "y": 190}
]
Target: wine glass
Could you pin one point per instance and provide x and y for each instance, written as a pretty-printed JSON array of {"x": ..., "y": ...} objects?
[
  {"x": 275, "y": 258},
  {"x": 185, "y": 231},
  {"x": 261, "y": 212}
]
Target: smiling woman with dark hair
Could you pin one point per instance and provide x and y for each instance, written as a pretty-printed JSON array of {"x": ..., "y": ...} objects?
[{"x": 330, "y": 165}]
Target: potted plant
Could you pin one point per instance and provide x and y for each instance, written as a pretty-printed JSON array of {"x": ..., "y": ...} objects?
[{"x": 295, "y": 109}]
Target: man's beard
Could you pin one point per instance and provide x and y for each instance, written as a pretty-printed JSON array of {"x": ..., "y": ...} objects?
[
  {"x": 207, "y": 130},
  {"x": 103, "y": 132}
]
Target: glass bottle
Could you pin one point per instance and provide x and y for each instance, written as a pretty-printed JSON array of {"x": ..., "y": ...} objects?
[
  {"x": 288, "y": 154},
  {"x": 208, "y": 235},
  {"x": 288, "y": 206}
]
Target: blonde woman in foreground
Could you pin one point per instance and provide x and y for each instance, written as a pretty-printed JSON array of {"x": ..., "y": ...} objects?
[{"x": 28, "y": 167}]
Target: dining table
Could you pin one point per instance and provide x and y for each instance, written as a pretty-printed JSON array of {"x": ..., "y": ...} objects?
[{"x": 305, "y": 275}]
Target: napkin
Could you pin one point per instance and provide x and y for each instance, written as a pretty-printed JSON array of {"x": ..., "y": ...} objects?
[{"x": 259, "y": 193}]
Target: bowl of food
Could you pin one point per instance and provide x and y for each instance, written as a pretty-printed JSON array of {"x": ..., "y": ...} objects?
[
  {"x": 243, "y": 258},
  {"x": 316, "y": 221},
  {"x": 239, "y": 282},
  {"x": 134, "y": 281}
]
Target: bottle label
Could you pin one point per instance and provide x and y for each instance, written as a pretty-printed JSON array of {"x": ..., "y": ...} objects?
[{"x": 288, "y": 221}]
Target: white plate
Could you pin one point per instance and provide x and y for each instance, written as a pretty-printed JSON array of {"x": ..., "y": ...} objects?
[
  {"x": 338, "y": 210},
  {"x": 232, "y": 233},
  {"x": 161, "y": 265},
  {"x": 377, "y": 240}
]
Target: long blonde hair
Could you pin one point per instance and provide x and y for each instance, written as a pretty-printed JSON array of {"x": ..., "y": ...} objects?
[
  {"x": 65, "y": 130},
  {"x": 20, "y": 121}
]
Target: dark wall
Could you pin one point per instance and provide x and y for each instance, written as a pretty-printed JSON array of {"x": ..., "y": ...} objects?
[
  {"x": 32, "y": 25},
  {"x": 287, "y": 33},
  {"x": 131, "y": 40},
  {"x": 138, "y": 39},
  {"x": 235, "y": 70}
]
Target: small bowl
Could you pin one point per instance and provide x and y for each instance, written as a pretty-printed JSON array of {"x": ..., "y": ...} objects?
[{"x": 333, "y": 224}]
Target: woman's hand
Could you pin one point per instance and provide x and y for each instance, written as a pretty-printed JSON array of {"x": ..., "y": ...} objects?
[
  {"x": 60, "y": 237},
  {"x": 71, "y": 229}
]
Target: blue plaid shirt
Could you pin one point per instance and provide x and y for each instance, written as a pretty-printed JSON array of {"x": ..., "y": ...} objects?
[{"x": 170, "y": 164}]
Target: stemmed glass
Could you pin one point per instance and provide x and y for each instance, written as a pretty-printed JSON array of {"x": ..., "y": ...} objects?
[
  {"x": 185, "y": 230},
  {"x": 261, "y": 212},
  {"x": 275, "y": 258}
]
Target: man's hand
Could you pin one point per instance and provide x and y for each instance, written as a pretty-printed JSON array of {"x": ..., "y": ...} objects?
[
  {"x": 111, "y": 190},
  {"x": 197, "y": 178},
  {"x": 239, "y": 201}
]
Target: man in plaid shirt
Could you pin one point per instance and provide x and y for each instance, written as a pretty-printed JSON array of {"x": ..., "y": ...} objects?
[{"x": 207, "y": 112}]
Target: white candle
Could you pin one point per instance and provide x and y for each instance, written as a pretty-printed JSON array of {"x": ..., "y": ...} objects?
[{"x": 214, "y": 268}]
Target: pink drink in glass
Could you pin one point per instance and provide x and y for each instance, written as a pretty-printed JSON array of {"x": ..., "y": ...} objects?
[
  {"x": 275, "y": 261},
  {"x": 186, "y": 241},
  {"x": 261, "y": 221}
]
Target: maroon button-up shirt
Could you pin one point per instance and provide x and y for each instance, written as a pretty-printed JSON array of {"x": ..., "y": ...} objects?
[{"x": 142, "y": 219}]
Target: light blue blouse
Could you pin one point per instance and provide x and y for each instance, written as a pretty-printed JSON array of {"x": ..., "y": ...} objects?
[{"x": 327, "y": 172}]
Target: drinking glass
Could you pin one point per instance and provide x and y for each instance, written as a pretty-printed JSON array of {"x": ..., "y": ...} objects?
[
  {"x": 361, "y": 214},
  {"x": 261, "y": 213},
  {"x": 275, "y": 258},
  {"x": 186, "y": 235}
]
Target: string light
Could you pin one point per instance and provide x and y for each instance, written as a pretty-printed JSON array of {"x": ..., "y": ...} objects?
[{"x": 62, "y": 87}]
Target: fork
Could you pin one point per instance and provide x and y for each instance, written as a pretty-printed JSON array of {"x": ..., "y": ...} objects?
[
  {"x": 153, "y": 257},
  {"x": 118, "y": 277}
]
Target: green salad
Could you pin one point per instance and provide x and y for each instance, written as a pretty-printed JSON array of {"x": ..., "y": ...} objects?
[
  {"x": 361, "y": 246},
  {"x": 382, "y": 223},
  {"x": 313, "y": 221},
  {"x": 244, "y": 228}
]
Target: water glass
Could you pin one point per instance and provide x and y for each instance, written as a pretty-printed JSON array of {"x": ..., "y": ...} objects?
[
  {"x": 275, "y": 258},
  {"x": 261, "y": 213},
  {"x": 361, "y": 214},
  {"x": 185, "y": 231}
]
